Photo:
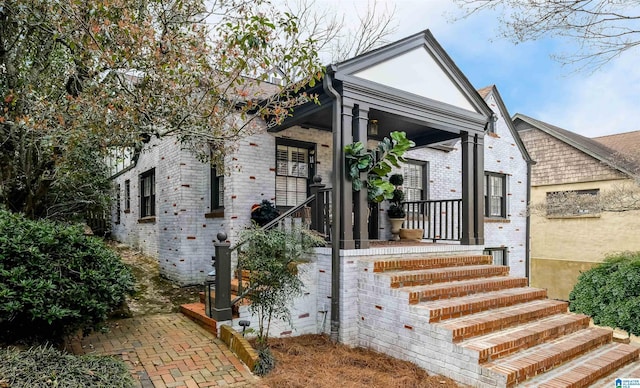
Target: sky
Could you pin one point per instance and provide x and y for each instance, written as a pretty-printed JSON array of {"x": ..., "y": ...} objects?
[{"x": 591, "y": 103}]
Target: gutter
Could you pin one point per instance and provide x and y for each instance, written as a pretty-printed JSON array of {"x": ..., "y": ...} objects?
[{"x": 336, "y": 207}]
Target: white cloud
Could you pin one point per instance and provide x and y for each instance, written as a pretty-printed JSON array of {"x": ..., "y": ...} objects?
[{"x": 597, "y": 104}]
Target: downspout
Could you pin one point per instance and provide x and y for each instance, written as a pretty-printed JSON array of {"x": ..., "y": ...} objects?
[
  {"x": 527, "y": 257},
  {"x": 336, "y": 204}
]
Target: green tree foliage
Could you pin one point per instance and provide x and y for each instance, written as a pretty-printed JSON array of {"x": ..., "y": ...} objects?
[
  {"x": 610, "y": 292},
  {"x": 99, "y": 75},
  {"x": 55, "y": 280}
]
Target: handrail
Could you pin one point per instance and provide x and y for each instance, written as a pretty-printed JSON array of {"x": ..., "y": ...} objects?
[
  {"x": 289, "y": 212},
  {"x": 242, "y": 293},
  {"x": 277, "y": 220}
]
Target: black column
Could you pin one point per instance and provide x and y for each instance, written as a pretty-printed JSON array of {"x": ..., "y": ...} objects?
[
  {"x": 361, "y": 208},
  {"x": 346, "y": 193},
  {"x": 468, "y": 189},
  {"x": 479, "y": 188}
]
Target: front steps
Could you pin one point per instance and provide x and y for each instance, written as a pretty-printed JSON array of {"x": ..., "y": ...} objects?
[{"x": 491, "y": 329}]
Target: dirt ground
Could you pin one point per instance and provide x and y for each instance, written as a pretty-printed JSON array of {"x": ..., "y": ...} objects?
[
  {"x": 154, "y": 294},
  {"x": 304, "y": 361}
]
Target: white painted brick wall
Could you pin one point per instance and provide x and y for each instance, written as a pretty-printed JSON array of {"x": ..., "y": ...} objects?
[{"x": 181, "y": 237}]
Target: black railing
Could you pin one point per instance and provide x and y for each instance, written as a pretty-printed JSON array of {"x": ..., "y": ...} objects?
[
  {"x": 321, "y": 212},
  {"x": 440, "y": 219},
  {"x": 296, "y": 217}
]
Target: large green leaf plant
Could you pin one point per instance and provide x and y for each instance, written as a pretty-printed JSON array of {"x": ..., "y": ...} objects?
[{"x": 377, "y": 164}]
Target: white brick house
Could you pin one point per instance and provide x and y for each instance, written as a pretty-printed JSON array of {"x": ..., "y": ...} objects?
[
  {"x": 188, "y": 202},
  {"x": 467, "y": 151}
]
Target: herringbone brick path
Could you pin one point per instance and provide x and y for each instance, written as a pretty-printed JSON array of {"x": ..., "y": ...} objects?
[{"x": 168, "y": 350}]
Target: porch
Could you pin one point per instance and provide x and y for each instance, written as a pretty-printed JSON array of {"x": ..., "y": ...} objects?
[{"x": 410, "y": 86}]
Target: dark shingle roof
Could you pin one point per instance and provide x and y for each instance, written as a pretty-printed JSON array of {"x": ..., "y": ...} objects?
[{"x": 609, "y": 156}]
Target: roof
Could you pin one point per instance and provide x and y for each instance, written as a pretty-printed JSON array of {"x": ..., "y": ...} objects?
[
  {"x": 591, "y": 147},
  {"x": 626, "y": 143},
  {"x": 345, "y": 70},
  {"x": 485, "y": 93}
]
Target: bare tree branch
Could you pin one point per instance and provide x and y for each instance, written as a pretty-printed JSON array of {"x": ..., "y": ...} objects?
[{"x": 602, "y": 29}]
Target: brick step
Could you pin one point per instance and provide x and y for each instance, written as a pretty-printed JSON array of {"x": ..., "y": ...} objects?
[
  {"x": 195, "y": 311},
  {"x": 461, "y": 288},
  {"x": 235, "y": 285},
  {"x": 421, "y": 277},
  {"x": 524, "y": 365},
  {"x": 497, "y": 345},
  {"x": 213, "y": 298},
  {"x": 489, "y": 321},
  {"x": 586, "y": 370},
  {"x": 630, "y": 371},
  {"x": 456, "y": 307},
  {"x": 399, "y": 264}
]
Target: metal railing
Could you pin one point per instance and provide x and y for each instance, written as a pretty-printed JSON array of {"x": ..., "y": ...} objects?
[
  {"x": 440, "y": 219},
  {"x": 295, "y": 217}
]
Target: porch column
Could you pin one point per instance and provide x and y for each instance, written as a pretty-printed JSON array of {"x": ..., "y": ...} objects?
[
  {"x": 346, "y": 194},
  {"x": 479, "y": 188},
  {"x": 468, "y": 189},
  {"x": 361, "y": 208}
]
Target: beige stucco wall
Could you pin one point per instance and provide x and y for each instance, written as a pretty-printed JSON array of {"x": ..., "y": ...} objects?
[{"x": 563, "y": 247}]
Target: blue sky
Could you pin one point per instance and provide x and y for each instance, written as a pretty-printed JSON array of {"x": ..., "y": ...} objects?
[{"x": 530, "y": 82}]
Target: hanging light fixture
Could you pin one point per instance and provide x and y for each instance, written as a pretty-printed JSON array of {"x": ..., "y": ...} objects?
[{"x": 372, "y": 128}]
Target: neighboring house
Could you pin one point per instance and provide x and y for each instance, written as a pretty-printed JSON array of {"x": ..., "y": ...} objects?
[{"x": 575, "y": 223}]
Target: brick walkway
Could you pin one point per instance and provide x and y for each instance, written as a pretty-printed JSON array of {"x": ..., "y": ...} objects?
[{"x": 168, "y": 350}]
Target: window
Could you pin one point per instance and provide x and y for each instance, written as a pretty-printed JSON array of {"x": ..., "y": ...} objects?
[
  {"x": 499, "y": 255},
  {"x": 148, "y": 193},
  {"x": 119, "y": 159},
  {"x": 217, "y": 187},
  {"x": 573, "y": 202},
  {"x": 495, "y": 195},
  {"x": 414, "y": 186},
  {"x": 118, "y": 204},
  {"x": 293, "y": 162},
  {"x": 127, "y": 196}
]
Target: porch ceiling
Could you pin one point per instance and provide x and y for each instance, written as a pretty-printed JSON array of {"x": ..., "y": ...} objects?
[{"x": 319, "y": 117}]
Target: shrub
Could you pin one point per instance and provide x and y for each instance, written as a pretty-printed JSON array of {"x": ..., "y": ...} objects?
[
  {"x": 610, "y": 293},
  {"x": 395, "y": 208},
  {"x": 55, "y": 280},
  {"x": 44, "y": 366},
  {"x": 271, "y": 257}
]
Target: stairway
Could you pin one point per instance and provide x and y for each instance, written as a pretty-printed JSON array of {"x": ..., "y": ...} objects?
[
  {"x": 491, "y": 329},
  {"x": 196, "y": 311}
]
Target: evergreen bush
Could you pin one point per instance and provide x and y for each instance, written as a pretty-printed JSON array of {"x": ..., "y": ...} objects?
[
  {"x": 610, "y": 293},
  {"x": 55, "y": 280}
]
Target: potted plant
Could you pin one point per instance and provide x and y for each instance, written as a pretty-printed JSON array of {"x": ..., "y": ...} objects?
[
  {"x": 264, "y": 212},
  {"x": 396, "y": 212}
]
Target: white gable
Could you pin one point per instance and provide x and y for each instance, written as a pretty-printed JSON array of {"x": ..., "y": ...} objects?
[{"x": 417, "y": 72}]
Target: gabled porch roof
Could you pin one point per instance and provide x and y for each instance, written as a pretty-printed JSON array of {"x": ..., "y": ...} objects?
[{"x": 410, "y": 85}]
